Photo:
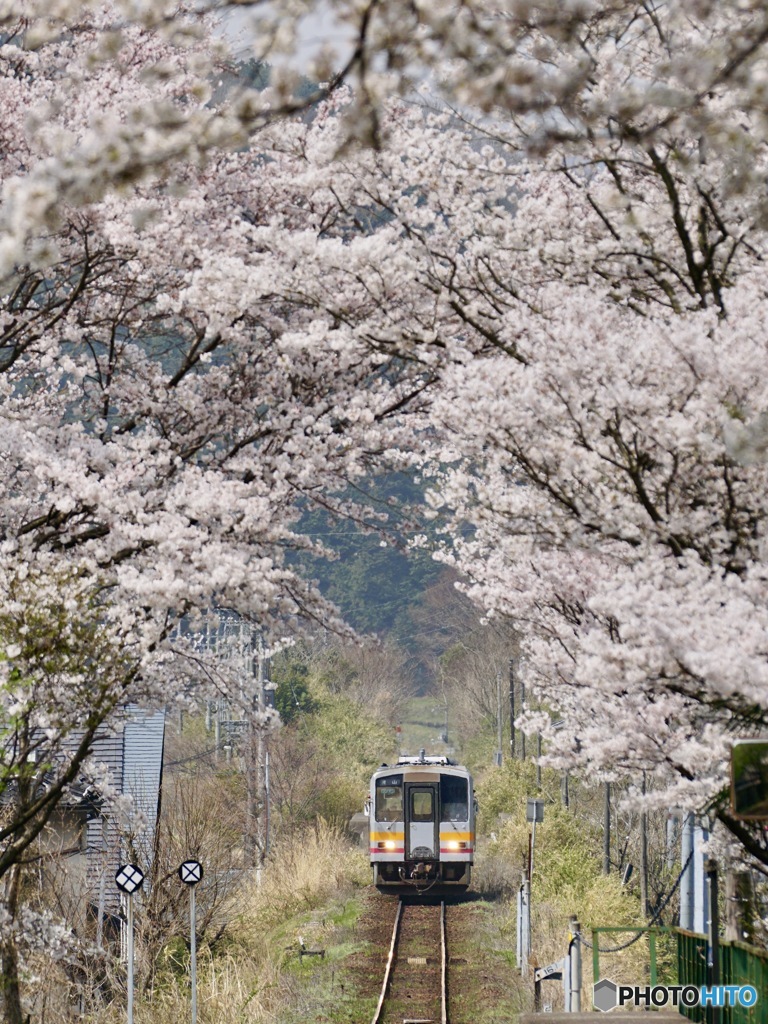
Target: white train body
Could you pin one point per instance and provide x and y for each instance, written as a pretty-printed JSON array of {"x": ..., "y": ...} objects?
[{"x": 421, "y": 825}]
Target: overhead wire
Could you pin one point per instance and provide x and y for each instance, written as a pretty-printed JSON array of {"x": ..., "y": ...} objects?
[{"x": 656, "y": 915}]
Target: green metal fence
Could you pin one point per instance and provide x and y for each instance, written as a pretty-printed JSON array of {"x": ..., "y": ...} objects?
[
  {"x": 692, "y": 966},
  {"x": 740, "y": 964}
]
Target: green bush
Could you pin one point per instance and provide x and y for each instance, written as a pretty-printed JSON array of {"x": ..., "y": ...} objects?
[
  {"x": 505, "y": 790},
  {"x": 567, "y": 869}
]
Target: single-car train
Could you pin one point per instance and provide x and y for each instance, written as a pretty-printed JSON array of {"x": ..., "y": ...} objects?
[{"x": 421, "y": 814}]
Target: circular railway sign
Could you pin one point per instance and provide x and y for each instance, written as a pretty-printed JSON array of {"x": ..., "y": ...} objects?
[
  {"x": 191, "y": 872},
  {"x": 129, "y": 878}
]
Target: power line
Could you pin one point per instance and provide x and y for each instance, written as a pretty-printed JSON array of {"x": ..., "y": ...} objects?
[
  {"x": 192, "y": 757},
  {"x": 657, "y": 914}
]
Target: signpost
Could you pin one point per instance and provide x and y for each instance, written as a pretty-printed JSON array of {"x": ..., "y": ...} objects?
[
  {"x": 191, "y": 872},
  {"x": 553, "y": 972},
  {"x": 129, "y": 878}
]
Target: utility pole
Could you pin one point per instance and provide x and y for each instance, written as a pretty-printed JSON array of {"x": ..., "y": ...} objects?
[
  {"x": 644, "y": 903},
  {"x": 512, "y": 708},
  {"x": 538, "y": 761},
  {"x": 251, "y": 788},
  {"x": 261, "y": 764},
  {"x": 522, "y": 708},
  {"x": 254, "y": 781},
  {"x": 574, "y": 952},
  {"x": 499, "y": 720},
  {"x": 700, "y": 901},
  {"x": 687, "y": 878},
  {"x": 607, "y": 830},
  {"x": 714, "y": 1014}
]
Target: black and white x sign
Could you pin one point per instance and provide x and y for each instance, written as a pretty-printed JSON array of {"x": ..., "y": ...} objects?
[
  {"x": 129, "y": 878},
  {"x": 190, "y": 872}
]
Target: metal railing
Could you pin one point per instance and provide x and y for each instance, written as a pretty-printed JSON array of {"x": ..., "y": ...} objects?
[{"x": 740, "y": 964}]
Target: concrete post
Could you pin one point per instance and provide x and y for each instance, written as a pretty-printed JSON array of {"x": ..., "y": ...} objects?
[
  {"x": 686, "y": 882},
  {"x": 574, "y": 953},
  {"x": 700, "y": 903}
]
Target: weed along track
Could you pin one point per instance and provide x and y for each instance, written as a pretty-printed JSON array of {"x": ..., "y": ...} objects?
[{"x": 415, "y": 980}]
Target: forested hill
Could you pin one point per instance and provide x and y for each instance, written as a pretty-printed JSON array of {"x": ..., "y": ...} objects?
[{"x": 377, "y": 581}]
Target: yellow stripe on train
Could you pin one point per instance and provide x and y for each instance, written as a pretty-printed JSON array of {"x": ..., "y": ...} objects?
[{"x": 376, "y": 837}]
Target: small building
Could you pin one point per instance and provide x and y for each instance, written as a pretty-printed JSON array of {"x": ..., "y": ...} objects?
[
  {"x": 88, "y": 837},
  {"x": 133, "y": 752}
]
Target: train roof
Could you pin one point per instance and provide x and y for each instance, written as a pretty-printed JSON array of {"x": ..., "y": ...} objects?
[{"x": 421, "y": 760}]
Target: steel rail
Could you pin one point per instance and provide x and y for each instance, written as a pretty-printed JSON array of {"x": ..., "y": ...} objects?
[
  {"x": 391, "y": 960},
  {"x": 443, "y": 968}
]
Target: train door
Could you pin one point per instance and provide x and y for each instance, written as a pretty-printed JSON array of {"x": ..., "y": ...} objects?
[{"x": 421, "y": 821}]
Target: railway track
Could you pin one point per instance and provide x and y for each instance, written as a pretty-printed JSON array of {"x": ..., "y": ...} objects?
[{"x": 414, "y": 990}]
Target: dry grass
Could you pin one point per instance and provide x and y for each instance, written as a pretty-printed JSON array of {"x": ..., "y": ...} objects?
[
  {"x": 306, "y": 869},
  {"x": 247, "y": 977}
]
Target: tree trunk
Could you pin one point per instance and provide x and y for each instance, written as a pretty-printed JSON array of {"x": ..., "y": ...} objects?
[
  {"x": 9, "y": 955},
  {"x": 738, "y": 907}
]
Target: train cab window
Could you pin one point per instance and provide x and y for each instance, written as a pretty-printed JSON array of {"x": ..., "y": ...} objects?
[
  {"x": 422, "y": 805},
  {"x": 454, "y": 799},
  {"x": 389, "y": 798}
]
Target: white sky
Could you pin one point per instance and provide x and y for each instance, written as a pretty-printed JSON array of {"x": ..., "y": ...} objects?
[{"x": 317, "y": 29}]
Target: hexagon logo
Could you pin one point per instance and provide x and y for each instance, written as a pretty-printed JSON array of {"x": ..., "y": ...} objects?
[{"x": 604, "y": 995}]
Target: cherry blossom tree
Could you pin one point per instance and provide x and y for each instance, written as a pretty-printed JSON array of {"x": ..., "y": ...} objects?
[
  {"x": 594, "y": 446},
  {"x": 197, "y": 342},
  {"x": 597, "y": 273},
  {"x": 215, "y": 314}
]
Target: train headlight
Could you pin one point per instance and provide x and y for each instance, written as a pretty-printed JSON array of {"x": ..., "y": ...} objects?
[
  {"x": 390, "y": 845},
  {"x": 454, "y": 845}
]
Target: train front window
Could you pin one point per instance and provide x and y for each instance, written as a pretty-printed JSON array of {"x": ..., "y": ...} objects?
[
  {"x": 454, "y": 798},
  {"x": 422, "y": 805},
  {"x": 389, "y": 798}
]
